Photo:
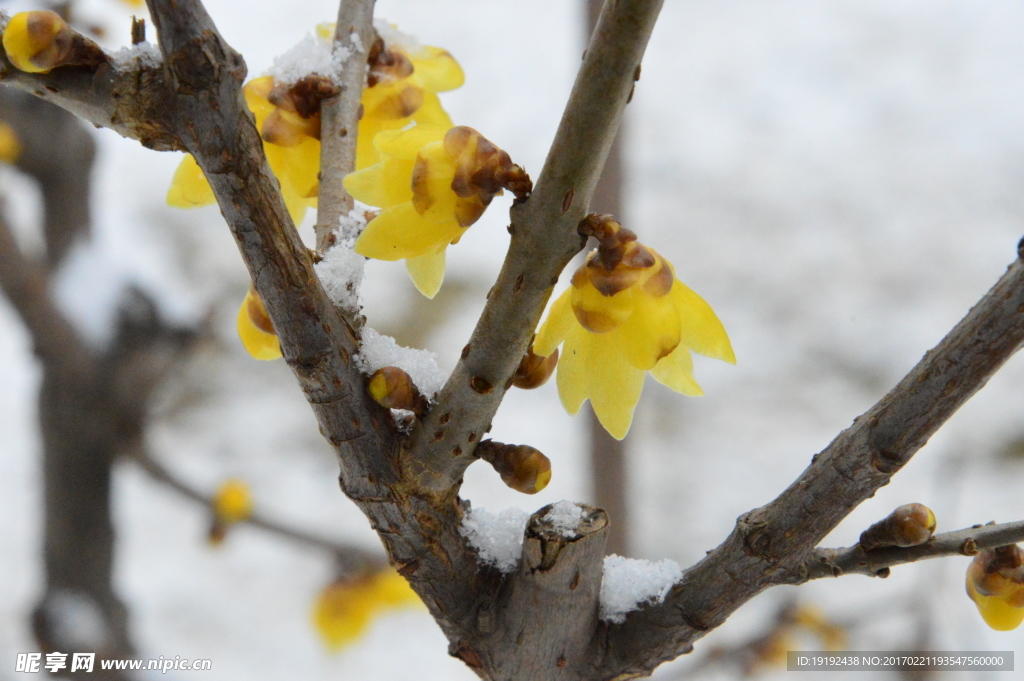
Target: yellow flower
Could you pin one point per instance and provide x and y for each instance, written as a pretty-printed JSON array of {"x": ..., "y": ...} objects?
[
  {"x": 626, "y": 314},
  {"x": 233, "y": 502},
  {"x": 10, "y": 147},
  {"x": 432, "y": 184},
  {"x": 36, "y": 42},
  {"x": 255, "y": 328},
  {"x": 401, "y": 88},
  {"x": 343, "y": 611},
  {"x": 995, "y": 582},
  {"x": 290, "y": 142}
]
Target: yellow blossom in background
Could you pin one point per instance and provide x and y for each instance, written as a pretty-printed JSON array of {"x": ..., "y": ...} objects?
[
  {"x": 10, "y": 147},
  {"x": 995, "y": 582},
  {"x": 432, "y": 184},
  {"x": 402, "y": 87},
  {"x": 344, "y": 610},
  {"x": 256, "y": 330},
  {"x": 232, "y": 502},
  {"x": 626, "y": 314}
]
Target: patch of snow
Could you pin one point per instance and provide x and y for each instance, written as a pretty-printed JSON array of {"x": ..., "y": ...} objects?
[
  {"x": 144, "y": 54},
  {"x": 310, "y": 55},
  {"x": 497, "y": 537},
  {"x": 341, "y": 273},
  {"x": 88, "y": 288},
  {"x": 629, "y": 583},
  {"x": 394, "y": 38},
  {"x": 357, "y": 42},
  {"x": 565, "y": 517},
  {"x": 378, "y": 350}
]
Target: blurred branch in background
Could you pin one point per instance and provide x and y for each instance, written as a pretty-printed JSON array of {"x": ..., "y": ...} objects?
[{"x": 608, "y": 455}]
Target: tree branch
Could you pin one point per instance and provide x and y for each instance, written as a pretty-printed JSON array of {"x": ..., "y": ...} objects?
[
  {"x": 339, "y": 117},
  {"x": 770, "y": 544},
  {"x": 876, "y": 563},
  {"x": 544, "y": 240},
  {"x": 352, "y": 557}
]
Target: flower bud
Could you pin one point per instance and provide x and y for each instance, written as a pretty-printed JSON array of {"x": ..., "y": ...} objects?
[
  {"x": 521, "y": 467},
  {"x": 534, "y": 370},
  {"x": 995, "y": 582},
  {"x": 36, "y": 42},
  {"x": 908, "y": 525},
  {"x": 232, "y": 503},
  {"x": 255, "y": 328},
  {"x": 393, "y": 388}
]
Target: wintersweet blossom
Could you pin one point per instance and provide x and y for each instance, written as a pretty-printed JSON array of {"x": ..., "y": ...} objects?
[
  {"x": 343, "y": 611},
  {"x": 626, "y": 314},
  {"x": 401, "y": 88},
  {"x": 995, "y": 582},
  {"x": 232, "y": 503},
  {"x": 432, "y": 184},
  {"x": 36, "y": 42}
]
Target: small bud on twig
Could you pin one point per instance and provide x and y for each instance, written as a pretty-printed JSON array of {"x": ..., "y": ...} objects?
[
  {"x": 908, "y": 525},
  {"x": 534, "y": 370},
  {"x": 39, "y": 41},
  {"x": 995, "y": 582},
  {"x": 521, "y": 467},
  {"x": 391, "y": 387}
]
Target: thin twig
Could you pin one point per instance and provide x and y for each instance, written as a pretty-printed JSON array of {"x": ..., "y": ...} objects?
[
  {"x": 339, "y": 117},
  {"x": 854, "y": 560},
  {"x": 544, "y": 240},
  {"x": 348, "y": 554}
]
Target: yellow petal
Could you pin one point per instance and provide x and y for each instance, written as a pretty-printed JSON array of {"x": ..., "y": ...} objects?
[
  {"x": 437, "y": 69},
  {"x": 301, "y": 165},
  {"x": 615, "y": 385},
  {"x": 189, "y": 188},
  {"x": 432, "y": 177},
  {"x": 432, "y": 113},
  {"x": 384, "y": 185},
  {"x": 556, "y": 327},
  {"x": 391, "y": 589},
  {"x": 366, "y": 153},
  {"x": 573, "y": 365},
  {"x": 996, "y": 612},
  {"x": 407, "y": 143},
  {"x": 296, "y": 205},
  {"x": 259, "y": 343},
  {"x": 427, "y": 271},
  {"x": 676, "y": 372},
  {"x": 341, "y": 614},
  {"x": 702, "y": 331},
  {"x": 400, "y": 232},
  {"x": 256, "y": 92},
  {"x": 651, "y": 332},
  {"x": 600, "y": 313}
]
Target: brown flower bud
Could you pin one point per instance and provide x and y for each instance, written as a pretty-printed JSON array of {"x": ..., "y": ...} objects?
[
  {"x": 521, "y": 467},
  {"x": 534, "y": 370},
  {"x": 391, "y": 387},
  {"x": 908, "y": 525}
]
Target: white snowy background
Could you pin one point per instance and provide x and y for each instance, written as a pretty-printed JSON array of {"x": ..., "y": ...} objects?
[{"x": 840, "y": 180}]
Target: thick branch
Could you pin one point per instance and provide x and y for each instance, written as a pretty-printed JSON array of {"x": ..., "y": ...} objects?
[
  {"x": 339, "y": 117},
  {"x": 770, "y": 544},
  {"x": 544, "y": 239},
  {"x": 351, "y": 556},
  {"x": 855, "y": 560},
  {"x": 24, "y": 282}
]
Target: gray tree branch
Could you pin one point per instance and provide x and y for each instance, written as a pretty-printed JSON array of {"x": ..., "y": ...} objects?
[
  {"x": 339, "y": 117},
  {"x": 854, "y": 560},
  {"x": 770, "y": 545},
  {"x": 544, "y": 240}
]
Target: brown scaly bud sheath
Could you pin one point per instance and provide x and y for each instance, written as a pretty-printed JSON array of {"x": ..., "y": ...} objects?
[
  {"x": 521, "y": 467},
  {"x": 258, "y": 312},
  {"x": 393, "y": 388},
  {"x": 534, "y": 370},
  {"x": 908, "y": 525}
]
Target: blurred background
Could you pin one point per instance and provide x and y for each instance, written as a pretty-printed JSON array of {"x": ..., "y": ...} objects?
[{"x": 841, "y": 181}]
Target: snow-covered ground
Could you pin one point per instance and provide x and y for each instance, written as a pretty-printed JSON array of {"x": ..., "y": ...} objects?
[{"x": 840, "y": 180}]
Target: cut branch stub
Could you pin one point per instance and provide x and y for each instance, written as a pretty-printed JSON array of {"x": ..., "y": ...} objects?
[{"x": 552, "y": 609}]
